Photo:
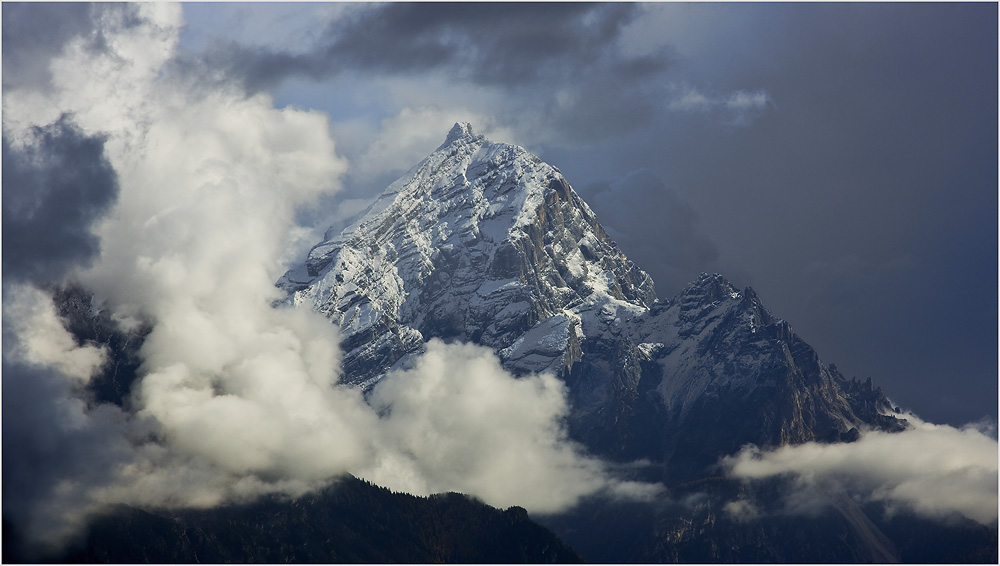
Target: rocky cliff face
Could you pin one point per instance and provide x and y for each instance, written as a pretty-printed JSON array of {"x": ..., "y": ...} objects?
[{"x": 483, "y": 242}]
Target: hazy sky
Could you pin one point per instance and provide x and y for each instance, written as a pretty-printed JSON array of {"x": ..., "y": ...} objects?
[
  {"x": 839, "y": 158},
  {"x": 175, "y": 159}
]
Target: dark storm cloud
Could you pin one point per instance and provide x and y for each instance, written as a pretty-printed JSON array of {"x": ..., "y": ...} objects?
[
  {"x": 655, "y": 227},
  {"x": 513, "y": 46},
  {"x": 53, "y": 191},
  {"x": 492, "y": 43},
  {"x": 255, "y": 67}
]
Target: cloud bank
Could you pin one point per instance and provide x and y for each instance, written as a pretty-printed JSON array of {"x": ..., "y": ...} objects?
[
  {"x": 563, "y": 73},
  {"x": 195, "y": 193},
  {"x": 509, "y": 45},
  {"x": 935, "y": 471}
]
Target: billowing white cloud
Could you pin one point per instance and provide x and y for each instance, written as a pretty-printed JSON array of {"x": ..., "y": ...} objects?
[
  {"x": 458, "y": 421},
  {"x": 236, "y": 398},
  {"x": 932, "y": 470},
  {"x": 210, "y": 180}
]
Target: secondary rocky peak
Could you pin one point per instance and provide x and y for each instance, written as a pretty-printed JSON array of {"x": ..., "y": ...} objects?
[{"x": 708, "y": 288}]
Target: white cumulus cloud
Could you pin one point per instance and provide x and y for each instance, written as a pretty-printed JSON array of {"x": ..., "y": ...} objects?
[
  {"x": 459, "y": 421},
  {"x": 932, "y": 470}
]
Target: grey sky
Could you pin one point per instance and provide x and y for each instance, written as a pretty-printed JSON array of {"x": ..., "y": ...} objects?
[{"x": 839, "y": 158}]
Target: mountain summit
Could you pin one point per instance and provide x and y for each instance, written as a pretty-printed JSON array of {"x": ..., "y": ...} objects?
[
  {"x": 458, "y": 131},
  {"x": 479, "y": 242},
  {"x": 484, "y": 242}
]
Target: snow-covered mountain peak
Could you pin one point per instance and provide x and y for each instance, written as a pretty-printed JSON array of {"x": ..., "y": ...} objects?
[
  {"x": 480, "y": 241},
  {"x": 459, "y": 131}
]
